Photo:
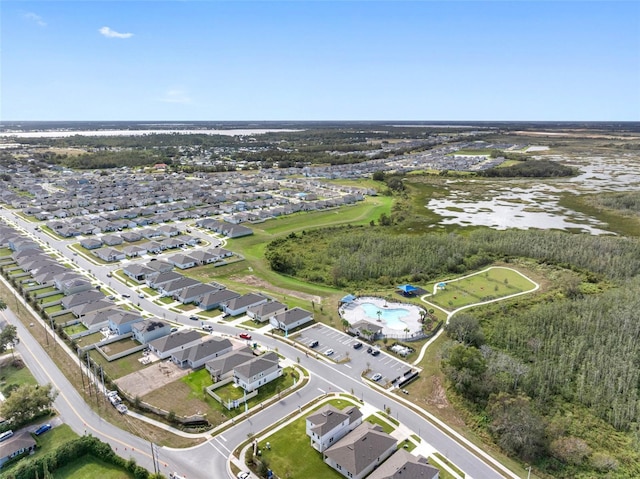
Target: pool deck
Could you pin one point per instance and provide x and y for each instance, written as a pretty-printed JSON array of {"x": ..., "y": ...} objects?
[{"x": 354, "y": 312}]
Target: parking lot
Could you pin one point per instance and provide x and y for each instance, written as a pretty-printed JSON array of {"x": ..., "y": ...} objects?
[{"x": 359, "y": 360}]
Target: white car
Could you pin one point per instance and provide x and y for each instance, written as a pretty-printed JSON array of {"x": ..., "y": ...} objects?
[
  {"x": 376, "y": 377},
  {"x": 243, "y": 475},
  {"x": 328, "y": 352}
]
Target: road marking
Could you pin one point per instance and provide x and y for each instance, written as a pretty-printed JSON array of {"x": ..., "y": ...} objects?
[
  {"x": 322, "y": 391},
  {"x": 222, "y": 437},
  {"x": 225, "y": 447},
  {"x": 218, "y": 450},
  {"x": 347, "y": 366}
]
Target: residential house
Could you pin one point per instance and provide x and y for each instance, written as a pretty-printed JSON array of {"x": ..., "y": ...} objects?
[
  {"x": 240, "y": 304},
  {"x": 112, "y": 240},
  {"x": 97, "y": 319},
  {"x": 263, "y": 312},
  {"x": 91, "y": 243},
  {"x": 220, "y": 253},
  {"x": 173, "y": 288},
  {"x": 327, "y": 426},
  {"x": 222, "y": 367},
  {"x": 257, "y": 372},
  {"x": 160, "y": 266},
  {"x": 83, "y": 297},
  {"x": 404, "y": 465},
  {"x": 196, "y": 356},
  {"x": 121, "y": 321},
  {"x": 172, "y": 243},
  {"x": 152, "y": 247},
  {"x": 192, "y": 293},
  {"x": 133, "y": 251},
  {"x": 72, "y": 285},
  {"x": 290, "y": 319},
  {"x": 361, "y": 451},
  {"x": 203, "y": 257},
  {"x": 168, "y": 230},
  {"x": 20, "y": 443},
  {"x": 155, "y": 280},
  {"x": 131, "y": 236},
  {"x": 215, "y": 299},
  {"x": 137, "y": 272},
  {"x": 182, "y": 261},
  {"x": 109, "y": 254},
  {"x": 165, "y": 346},
  {"x": 82, "y": 310},
  {"x": 150, "y": 329}
]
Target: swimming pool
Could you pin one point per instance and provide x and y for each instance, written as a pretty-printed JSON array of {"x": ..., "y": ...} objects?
[{"x": 390, "y": 316}]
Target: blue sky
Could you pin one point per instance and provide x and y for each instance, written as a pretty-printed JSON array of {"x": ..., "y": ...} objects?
[{"x": 320, "y": 60}]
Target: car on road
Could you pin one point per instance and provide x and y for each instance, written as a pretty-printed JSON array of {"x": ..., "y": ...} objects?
[
  {"x": 376, "y": 377},
  {"x": 245, "y": 335},
  {"x": 328, "y": 352},
  {"x": 174, "y": 329},
  {"x": 207, "y": 327},
  {"x": 194, "y": 318},
  {"x": 126, "y": 295},
  {"x": 357, "y": 345},
  {"x": 140, "y": 295},
  {"x": 108, "y": 275},
  {"x": 243, "y": 475},
  {"x": 42, "y": 429},
  {"x": 111, "y": 297}
]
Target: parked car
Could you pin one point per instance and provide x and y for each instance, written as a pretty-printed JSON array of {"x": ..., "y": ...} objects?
[
  {"x": 243, "y": 475},
  {"x": 357, "y": 345},
  {"x": 207, "y": 327},
  {"x": 111, "y": 297},
  {"x": 245, "y": 335},
  {"x": 140, "y": 295},
  {"x": 328, "y": 352},
  {"x": 108, "y": 275},
  {"x": 369, "y": 349},
  {"x": 126, "y": 295},
  {"x": 376, "y": 377},
  {"x": 194, "y": 318},
  {"x": 375, "y": 352},
  {"x": 314, "y": 344},
  {"x": 121, "y": 408},
  {"x": 174, "y": 329},
  {"x": 42, "y": 429}
]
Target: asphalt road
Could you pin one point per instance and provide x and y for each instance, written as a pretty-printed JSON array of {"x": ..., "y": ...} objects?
[{"x": 209, "y": 459}]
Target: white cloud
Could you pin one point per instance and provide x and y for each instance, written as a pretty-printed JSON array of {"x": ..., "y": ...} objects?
[
  {"x": 107, "y": 32},
  {"x": 37, "y": 19},
  {"x": 176, "y": 96}
]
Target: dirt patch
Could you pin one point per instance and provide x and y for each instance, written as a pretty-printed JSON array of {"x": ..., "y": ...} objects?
[
  {"x": 438, "y": 396},
  {"x": 148, "y": 379},
  {"x": 260, "y": 283}
]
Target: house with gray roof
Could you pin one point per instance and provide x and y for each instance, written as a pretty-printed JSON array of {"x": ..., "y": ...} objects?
[
  {"x": 156, "y": 280},
  {"x": 121, "y": 321},
  {"x": 215, "y": 299},
  {"x": 74, "y": 285},
  {"x": 361, "y": 451},
  {"x": 192, "y": 293},
  {"x": 222, "y": 367},
  {"x": 133, "y": 251},
  {"x": 196, "y": 356},
  {"x": 97, "y": 319},
  {"x": 150, "y": 329},
  {"x": 290, "y": 319},
  {"x": 257, "y": 372},
  {"x": 91, "y": 243},
  {"x": 83, "y": 309},
  {"x": 136, "y": 271},
  {"x": 327, "y": 426},
  {"x": 404, "y": 465},
  {"x": 21, "y": 443},
  {"x": 165, "y": 346},
  {"x": 112, "y": 240},
  {"x": 182, "y": 261},
  {"x": 240, "y": 304},
  {"x": 174, "y": 287},
  {"x": 84, "y": 297},
  {"x": 158, "y": 265},
  {"x": 109, "y": 254},
  {"x": 263, "y": 312}
]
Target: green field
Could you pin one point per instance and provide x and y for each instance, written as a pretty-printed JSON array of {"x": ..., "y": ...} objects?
[
  {"x": 14, "y": 375},
  {"x": 90, "y": 466},
  {"x": 375, "y": 419},
  {"x": 485, "y": 285},
  {"x": 120, "y": 367},
  {"x": 75, "y": 329}
]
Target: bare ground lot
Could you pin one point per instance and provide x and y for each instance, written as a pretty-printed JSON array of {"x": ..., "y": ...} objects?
[{"x": 149, "y": 379}]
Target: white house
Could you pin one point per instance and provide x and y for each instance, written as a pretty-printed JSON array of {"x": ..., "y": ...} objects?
[
  {"x": 291, "y": 319},
  {"x": 257, "y": 372},
  {"x": 197, "y": 355},
  {"x": 327, "y": 426}
]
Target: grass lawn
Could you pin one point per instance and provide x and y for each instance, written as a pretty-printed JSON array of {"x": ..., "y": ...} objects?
[
  {"x": 150, "y": 292},
  {"x": 386, "y": 427},
  {"x": 306, "y": 462},
  {"x": 90, "y": 339},
  {"x": 5, "y": 252},
  {"x": 482, "y": 286},
  {"x": 210, "y": 314},
  {"x": 17, "y": 271},
  {"x": 14, "y": 375},
  {"x": 91, "y": 466},
  {"x": 166, "y": 300},
  {"x": 120, "y": 367},
  {"x": 49, "y": 299},
  {"x": 53, "y": 309},
  {"x": 448, "y": 463},
  {"x": 49, "y": 289},
  {"x": 120, "y": 346},
  {"x": 75, "y": 329},
  {"x": 124, "y": 278},
  {"x": 63, "y": 318},
  {"x": 186, "y": 307}
]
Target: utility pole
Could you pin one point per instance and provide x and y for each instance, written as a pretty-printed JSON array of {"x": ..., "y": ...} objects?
[{"x": 89, "y": 373}]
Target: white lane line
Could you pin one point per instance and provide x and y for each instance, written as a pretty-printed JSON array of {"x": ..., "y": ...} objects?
[
  {"x": 322, "y": 391},
  {"x": 346, "y": 365}
]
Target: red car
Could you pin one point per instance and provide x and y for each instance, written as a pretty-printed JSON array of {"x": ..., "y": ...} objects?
[{"x": 245, "y": 336}]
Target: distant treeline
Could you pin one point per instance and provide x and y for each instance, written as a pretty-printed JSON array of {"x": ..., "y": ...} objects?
[
  {"x": 530, "y": 169},
  {"x": 113, "y": 159}
]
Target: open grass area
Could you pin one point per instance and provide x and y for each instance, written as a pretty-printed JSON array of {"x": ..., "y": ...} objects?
[
  {"x": 5, "y": 252},
  {"x": 186, "y": 307},
  {"x": 48, "y": 289},
  {"x": 91, "y": 466},
  {"x": 63, "y": 318},
  {"x": 53, "y": 309},
  {"x": 75, "y": 329},
  {"x": 482, "y": 286},
  {"x": 386, "y": 427},
  {"x": 149, "y": 291},
  {"x": 49, "y": 299},
  {"x": 210, "y": 314},
  {"x": 14, "y": 374},
  {"x": 306, "y": 462},
  {"x": 166, "y": 300},
  {"x": 120, "y": 367}
]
